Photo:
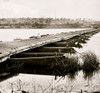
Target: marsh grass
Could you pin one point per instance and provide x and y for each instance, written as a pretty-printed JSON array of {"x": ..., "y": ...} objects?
[
  {"x": 88, "y": 75},
  {"x": 72, "y": 66},
  {"x": 67, "y": 66},
  {"x": 72, "y": 75},
  {"x": 71, "y": 62},
  {"x": 90, "y": 64},
  {"x": 91, "y": 61}
]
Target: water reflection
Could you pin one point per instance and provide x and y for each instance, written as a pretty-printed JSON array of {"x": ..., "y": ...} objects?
[
  {"x": 89, "y": 74},
  {"x": 72, "y": 75}
]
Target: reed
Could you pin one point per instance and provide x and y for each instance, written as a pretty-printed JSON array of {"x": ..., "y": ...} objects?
[
  {"x": 90, "y": 62},
  {"x": 66, "y": 66},
  {"x": 72, "y": 63}
]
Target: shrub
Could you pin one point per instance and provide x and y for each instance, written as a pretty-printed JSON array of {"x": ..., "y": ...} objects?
[
  {"x": 90, "y": 64},
  {"x": 91, "y": 61},
  {"x": 68, "y": 64}
]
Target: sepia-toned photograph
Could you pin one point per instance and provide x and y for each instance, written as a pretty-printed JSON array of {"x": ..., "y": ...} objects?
[{"x": 49, "y": 46}]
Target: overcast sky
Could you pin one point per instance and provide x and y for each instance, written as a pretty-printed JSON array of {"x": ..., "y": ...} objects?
[{"x": 50, "y": 8}]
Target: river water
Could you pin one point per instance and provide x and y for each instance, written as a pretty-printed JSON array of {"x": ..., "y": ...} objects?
[
  {"x": 48, "y": 84},
  {"x": 11, "y": 34}
]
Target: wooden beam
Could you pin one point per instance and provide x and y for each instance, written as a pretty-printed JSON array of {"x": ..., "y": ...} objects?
[
  {"x": 36, "y": 61},
  {"x": 40, "y": 54},
  {"x": 54, "y": 49}
]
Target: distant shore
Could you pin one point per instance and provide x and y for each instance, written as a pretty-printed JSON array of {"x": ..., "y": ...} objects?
[
  {"x": 47, "y": 23},
  {"x": 42, "y": 27}
]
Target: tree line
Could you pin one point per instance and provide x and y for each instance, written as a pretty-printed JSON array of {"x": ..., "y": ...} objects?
[{"x": 44, "y": 23}]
